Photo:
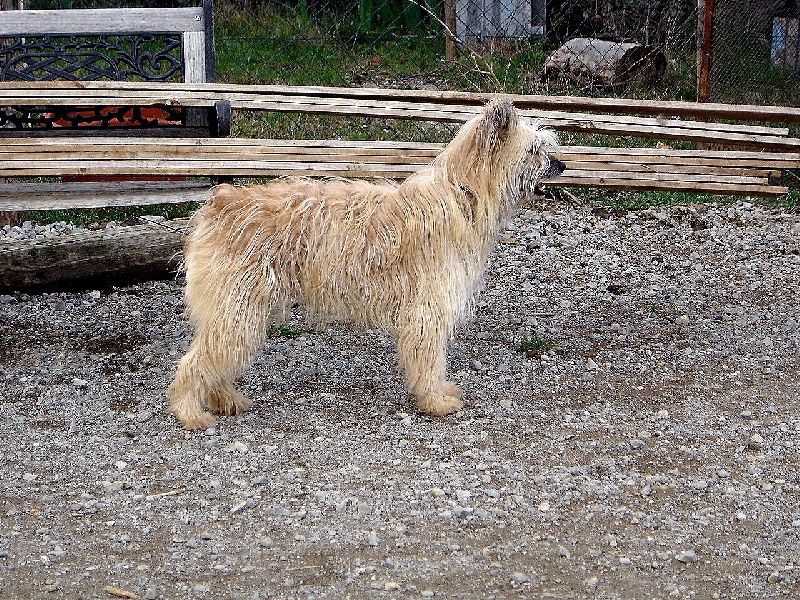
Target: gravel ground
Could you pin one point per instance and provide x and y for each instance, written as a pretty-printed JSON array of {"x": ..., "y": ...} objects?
[
  {"x": 651, "y": 452},
  {"x": 29, "y": 230}
]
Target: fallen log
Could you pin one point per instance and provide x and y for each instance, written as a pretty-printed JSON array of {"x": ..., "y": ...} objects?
[{"x": 94, "y": 259}]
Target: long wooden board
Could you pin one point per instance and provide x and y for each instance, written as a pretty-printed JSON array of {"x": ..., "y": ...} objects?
[
  {"x": 62, "y": 196},
  {"x": 409, "y": 109},
  {"x": 335, "y": 150},
  {"x": 221, "y": 149},
  {"x": 719, "y": 188},
  {"x": 690, "y": 110},
  {"x": 105, "y": 20}
]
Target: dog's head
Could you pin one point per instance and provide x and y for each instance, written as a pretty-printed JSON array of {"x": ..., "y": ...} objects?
[{"x": 502, "y": 147}]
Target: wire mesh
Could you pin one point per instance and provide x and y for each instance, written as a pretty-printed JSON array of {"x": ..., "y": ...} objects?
[
  {"x": 755, "y": 52},
  {"x": 504, "y": 45},
  {"x": 624, "y": 48}
]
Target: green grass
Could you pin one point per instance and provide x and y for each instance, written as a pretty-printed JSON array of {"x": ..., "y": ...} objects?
[
  {"x": 632, "y": 201},
  {"x": 743, "y": 74},
  {"x": 537, "y": 346},
  {"x": 285, "y": 331},
  {"x": 89, "y": 217},
  {"x": 790, "y": 202}
]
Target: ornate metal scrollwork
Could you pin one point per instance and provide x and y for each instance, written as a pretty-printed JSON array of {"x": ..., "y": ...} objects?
[{"x": 144, "y": 57}]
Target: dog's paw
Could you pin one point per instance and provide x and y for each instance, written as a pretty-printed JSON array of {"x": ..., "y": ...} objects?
[
  {"x": 242, "y": 403},
  {"x": 194, "y": 420},
  {"x": 439, "y": 405},
  {"x": 231, "y": 404},
  {"x": 451, "y": 389}
]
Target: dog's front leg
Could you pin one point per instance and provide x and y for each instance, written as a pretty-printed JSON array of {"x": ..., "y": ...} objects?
[{"x": 421, "y": 346}]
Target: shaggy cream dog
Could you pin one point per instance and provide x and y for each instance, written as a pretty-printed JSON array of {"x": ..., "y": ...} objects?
[{"x": 406, "y": 259}]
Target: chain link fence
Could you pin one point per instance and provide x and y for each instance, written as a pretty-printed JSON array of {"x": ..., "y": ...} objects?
[
  {"x": 504, "y": 45},
  {"x": 755, "y": 52},
  {"x": 747, "y": 52},
  {"x": 634, "y": 48}
]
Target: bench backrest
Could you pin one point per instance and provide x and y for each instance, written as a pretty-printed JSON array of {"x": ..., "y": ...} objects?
[
  {"x": 115, "y": 44},
  {"x": 108, "y": 44}
]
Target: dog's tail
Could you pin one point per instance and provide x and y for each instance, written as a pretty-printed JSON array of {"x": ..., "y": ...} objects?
[{"x": 221, "y": 195}]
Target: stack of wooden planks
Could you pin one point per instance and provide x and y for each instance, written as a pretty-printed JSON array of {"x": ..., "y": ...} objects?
[
  {"x": 753, "y": 157},
  {"x": 611, "y": 116},
  {"x": 703, "y": 171}
]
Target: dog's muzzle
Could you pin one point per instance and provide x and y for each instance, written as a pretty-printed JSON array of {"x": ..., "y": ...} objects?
[{"x": 555, "y": 169}]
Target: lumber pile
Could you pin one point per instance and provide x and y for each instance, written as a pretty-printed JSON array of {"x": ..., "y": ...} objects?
[
  {"x": 613, "y": 116},
  {"x": 718, "y": 172},
  {"x": 752, "y": 157}
]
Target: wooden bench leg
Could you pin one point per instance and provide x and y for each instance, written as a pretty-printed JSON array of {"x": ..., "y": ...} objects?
[{"x": 221, "y": 127}]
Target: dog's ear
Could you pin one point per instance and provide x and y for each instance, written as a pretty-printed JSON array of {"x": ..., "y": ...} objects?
[{"x": 499, "y": 117}]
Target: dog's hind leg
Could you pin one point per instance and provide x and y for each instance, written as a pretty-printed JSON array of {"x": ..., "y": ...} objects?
[
  {"x": 227, "y": 335},
  {"x": 195, "y": 380},
  {"x": 421, "y": 347},
  {"x": 204, "y": 378}
]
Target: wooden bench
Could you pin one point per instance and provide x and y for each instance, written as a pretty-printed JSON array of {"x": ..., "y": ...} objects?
[
  {"x": 165, "y": 45},
  {"x": 756, "y": 156}
]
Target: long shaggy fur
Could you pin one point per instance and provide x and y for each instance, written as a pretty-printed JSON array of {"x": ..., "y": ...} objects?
[{"x": 406, "y": 259}]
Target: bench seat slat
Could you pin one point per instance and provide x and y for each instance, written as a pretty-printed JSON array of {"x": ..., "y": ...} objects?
[{"x": 628, "y": 106}]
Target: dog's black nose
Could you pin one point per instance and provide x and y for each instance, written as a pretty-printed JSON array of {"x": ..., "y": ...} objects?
[{"x": 554, "y": 169}]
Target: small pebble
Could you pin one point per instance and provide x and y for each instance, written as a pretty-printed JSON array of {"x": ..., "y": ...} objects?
[
  {"x": 638, "y": 445},
  {"x": 519, "y": 577},
  {"x": 686, "y": 556}
]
